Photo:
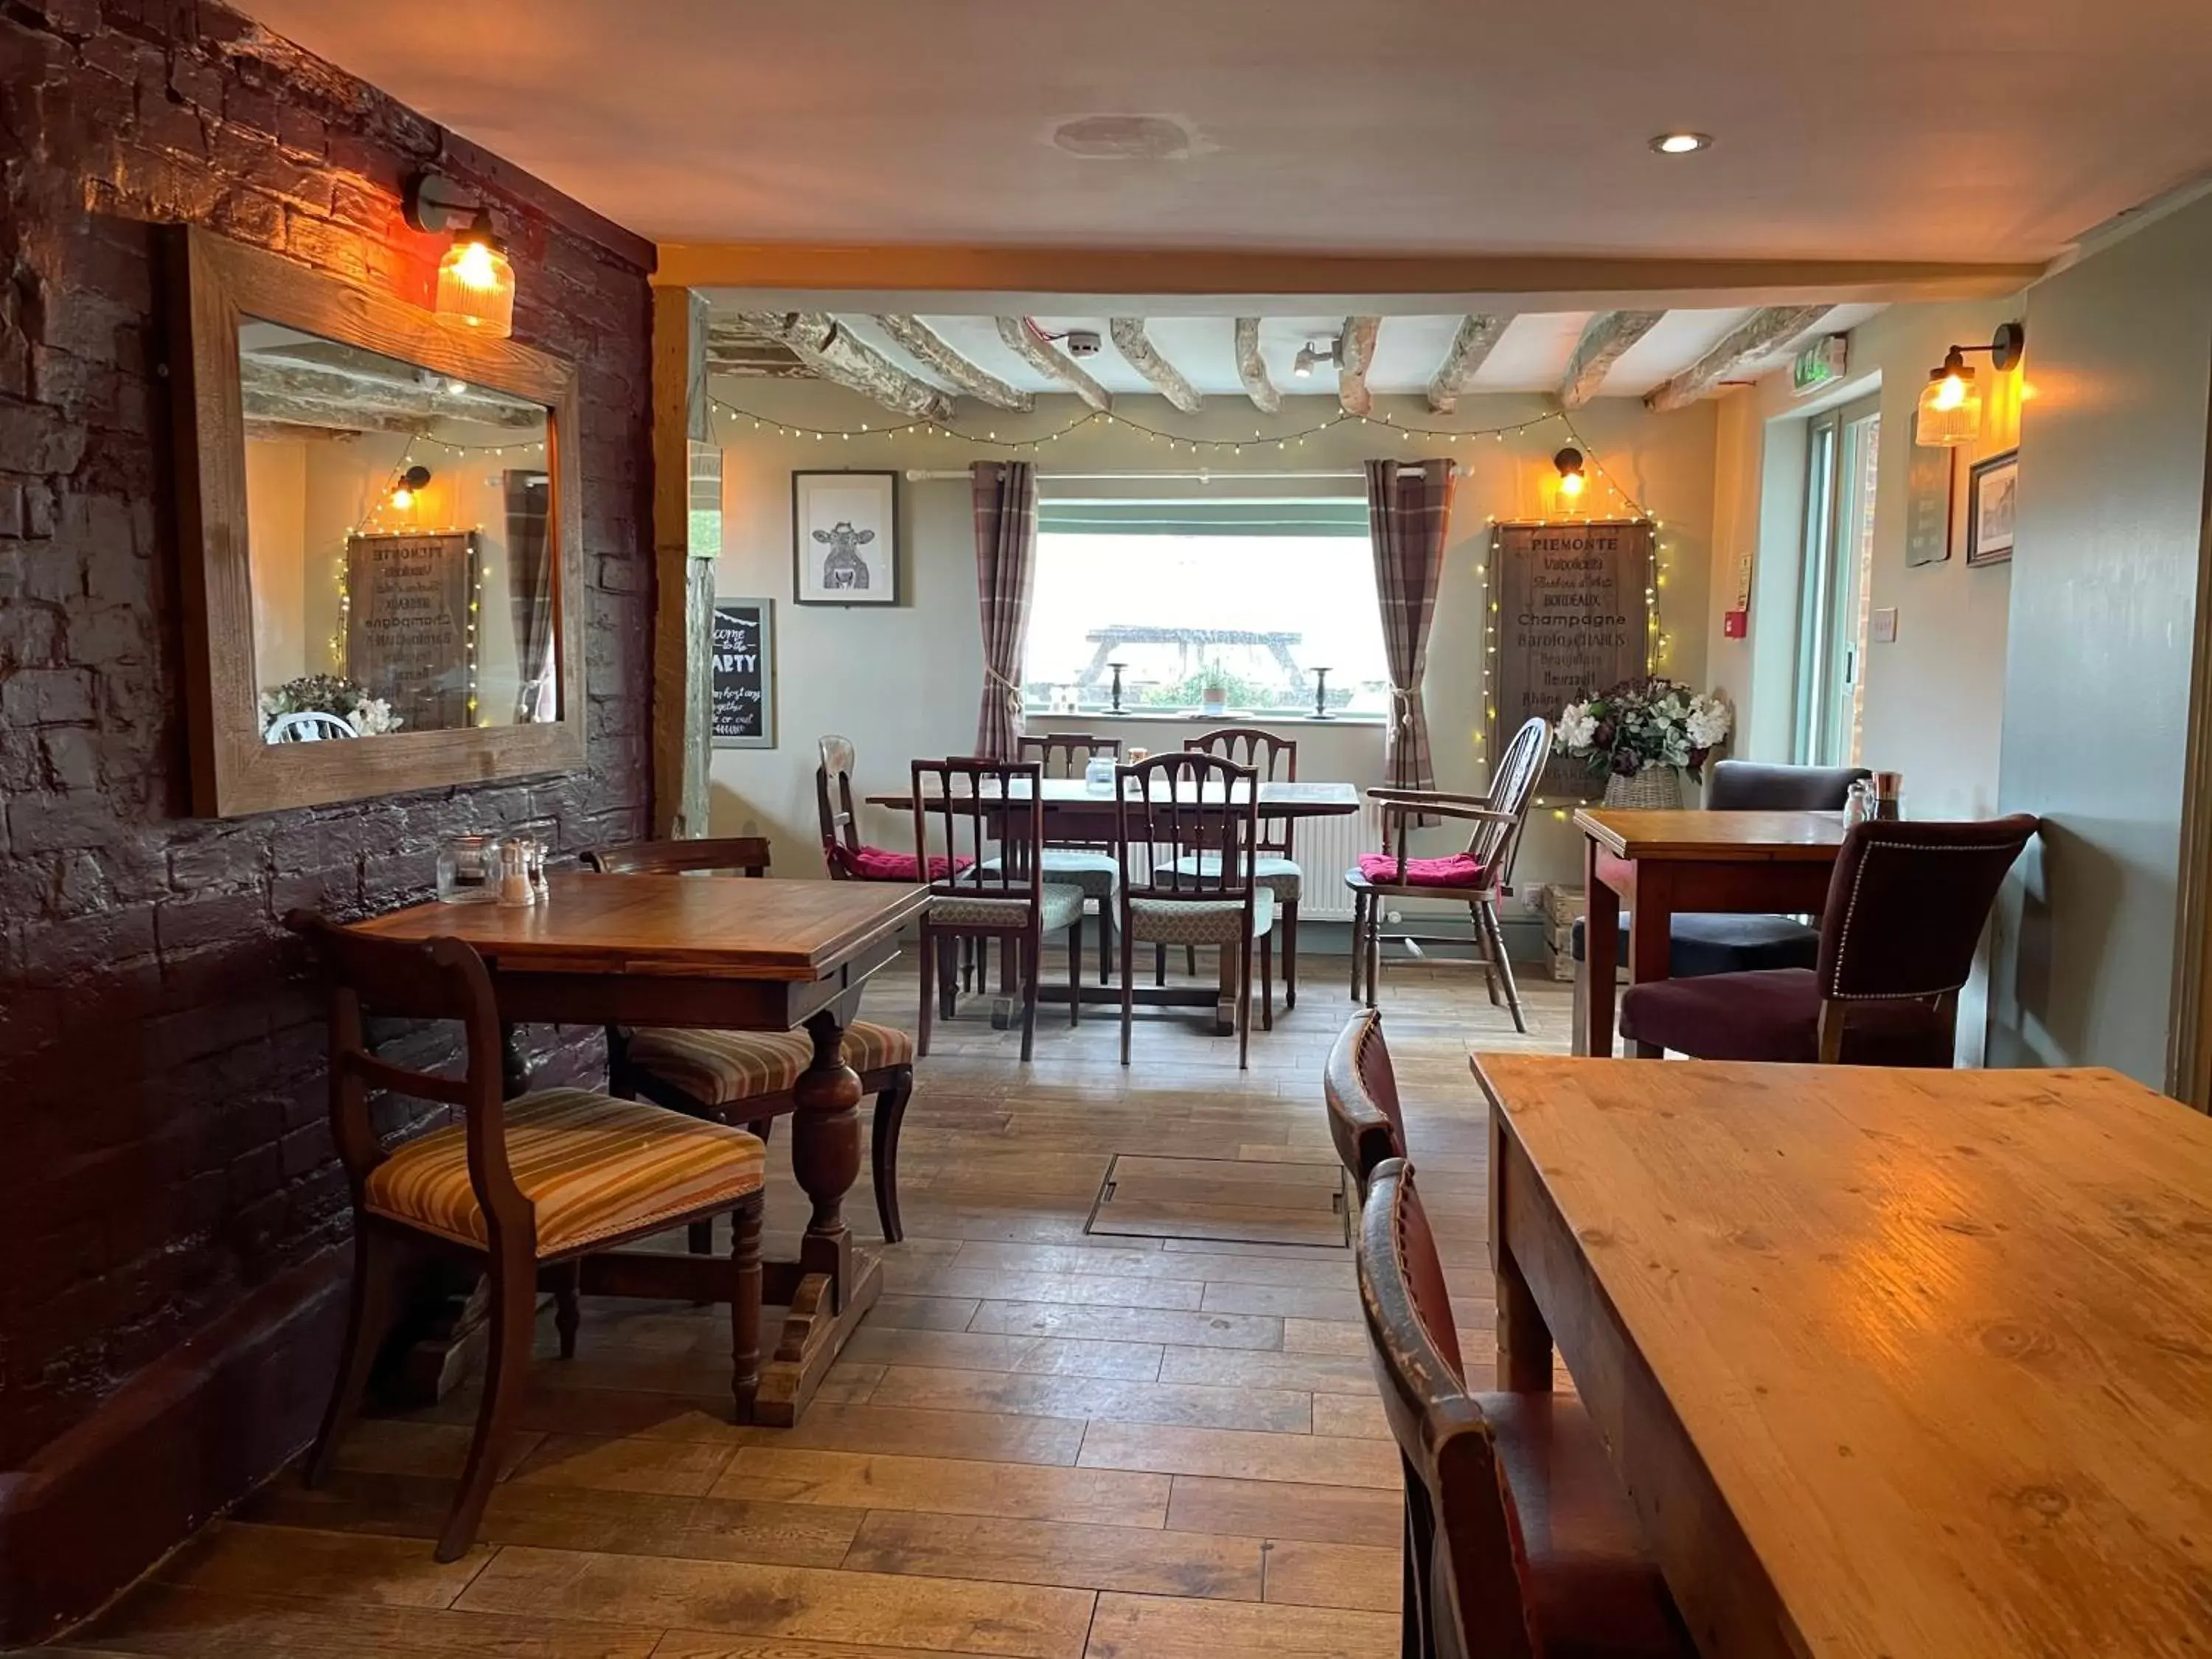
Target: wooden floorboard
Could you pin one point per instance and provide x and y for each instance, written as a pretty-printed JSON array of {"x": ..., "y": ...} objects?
[{"x": 1041, "y": 1445}]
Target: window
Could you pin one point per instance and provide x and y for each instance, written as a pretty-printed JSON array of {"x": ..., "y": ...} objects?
[
  {"x": 1252, "y": 596},
  {"x": 1842, "y": 450}
]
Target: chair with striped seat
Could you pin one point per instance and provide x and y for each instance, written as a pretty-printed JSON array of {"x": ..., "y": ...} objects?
[
  {"x": 1090, "y": 866},
  {"x": 1195, "y": 817},
  {"x": 526, "y": 1187},
  {"x": 1004, "y": 896},
  {"x": 1274, "y": 864},
  {"x": 747, "y": 1078}
]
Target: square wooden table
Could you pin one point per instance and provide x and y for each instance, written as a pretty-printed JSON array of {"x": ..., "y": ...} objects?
[
  {"x": 1913, "y": 1364},
  {"x": 1660, "y": 863},
  {"x": 733, "y": 954}
]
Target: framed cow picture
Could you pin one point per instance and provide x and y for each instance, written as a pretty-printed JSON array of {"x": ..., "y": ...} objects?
[{"x": 844, "y": 531}]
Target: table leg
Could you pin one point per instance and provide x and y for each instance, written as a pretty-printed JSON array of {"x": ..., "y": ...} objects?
[
  {"x": 1524, "y": 1341},
  {"x": 513, "y": 1064},
  {"x": 834, "y": 1281},
  {"x": 1601, "y": 954},
  {"x": 1651, "y": 935}
]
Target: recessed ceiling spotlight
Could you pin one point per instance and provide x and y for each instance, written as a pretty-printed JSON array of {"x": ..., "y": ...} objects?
[
  {"x": 1682, "y": 144},
  {"x": 1124, "y": 138}
]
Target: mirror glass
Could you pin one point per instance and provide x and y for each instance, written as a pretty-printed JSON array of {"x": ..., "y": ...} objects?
[{"x": 398, "y": 531}]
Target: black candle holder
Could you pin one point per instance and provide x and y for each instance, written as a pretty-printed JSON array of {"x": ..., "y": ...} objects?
[
  {"x": 1117, "y": 667},
  {"x": 1321, "y": 693}
]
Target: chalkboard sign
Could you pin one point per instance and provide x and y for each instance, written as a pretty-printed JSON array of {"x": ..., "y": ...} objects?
[
  {"x": 1929, "y": 484},
  {"x": 1573, "y": 619},
  {"x": 745, "y": 674},
  {"x": 408, "y": 637}
]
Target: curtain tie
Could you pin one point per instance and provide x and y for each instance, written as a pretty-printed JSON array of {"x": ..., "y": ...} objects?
[
  {"x": 1401, "y": 717},
  {"x": 1013, "y": 694}
]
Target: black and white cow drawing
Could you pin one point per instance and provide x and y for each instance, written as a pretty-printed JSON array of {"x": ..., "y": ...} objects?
[{"x": 843, "y": 567}]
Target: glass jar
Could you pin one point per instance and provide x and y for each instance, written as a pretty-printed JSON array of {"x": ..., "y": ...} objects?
[{"x": 468, "y": 869}]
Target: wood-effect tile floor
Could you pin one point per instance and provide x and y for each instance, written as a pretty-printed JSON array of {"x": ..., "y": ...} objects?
[{"x": 1040, "y": 1445}]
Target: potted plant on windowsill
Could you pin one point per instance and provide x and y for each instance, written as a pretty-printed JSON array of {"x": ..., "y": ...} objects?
[{"x": 1642, "y": 737}]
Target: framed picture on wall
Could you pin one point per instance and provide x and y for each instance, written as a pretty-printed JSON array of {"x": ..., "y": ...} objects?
[
  {"x": 1992, "y": 504},
  {"x": 844, "y": 532}
]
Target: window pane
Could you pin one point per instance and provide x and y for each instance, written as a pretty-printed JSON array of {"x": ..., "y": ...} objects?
[{"x": 1255, "y": 612}]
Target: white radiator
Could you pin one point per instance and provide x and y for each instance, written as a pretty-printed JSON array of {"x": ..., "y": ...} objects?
[{"x": 1326, "y": 847}]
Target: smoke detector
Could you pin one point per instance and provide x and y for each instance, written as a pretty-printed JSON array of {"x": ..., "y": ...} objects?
[{"x": 1081, "y": 342}]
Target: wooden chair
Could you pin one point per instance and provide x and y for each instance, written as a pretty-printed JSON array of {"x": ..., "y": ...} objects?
[
  {"x": 1005, "y": 897},
  {"x": 747, "y": 1078},
  {"x": 1481, "y": 875},
  {"x": 1906, "y": 906},
  {"x": 526, "y": 1187},
  {"x": 1274, "y": 863},
  {"x": 1361, "y": 1090},
  {"x": 1520, "y": 1543},
  {"x": 846, "y": 856},
  {"x": 1196, "y": 815},
  {"x": 1089, "y": 864}
]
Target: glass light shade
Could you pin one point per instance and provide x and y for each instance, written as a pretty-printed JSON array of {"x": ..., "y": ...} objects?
[
  {"x": 1950, "y": 410},
  {"x": 475, "y": 286},
  {"x": 1571, "y": 484}
]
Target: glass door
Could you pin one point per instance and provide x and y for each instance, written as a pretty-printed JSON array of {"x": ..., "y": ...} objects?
[{"x": 1842, "y": 459}]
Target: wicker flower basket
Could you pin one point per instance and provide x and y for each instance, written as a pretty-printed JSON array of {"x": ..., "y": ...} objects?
[{"x": 1655, "y": 788}]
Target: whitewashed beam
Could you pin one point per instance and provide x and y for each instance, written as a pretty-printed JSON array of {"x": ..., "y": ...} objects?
[
  {"x": 1754, "y": 337},
  {"x": 1605, "y": 337},
  {"x": 836, "y": 354},
  {"x": 1133, "y": 344},
  {"x": 1470, "y": 347},
  {"x": 1022, "y": 339},
  {"x": 302, "y": 393},
  {"x": 930, "y": 350},
  {"x": 1355, "y": 353},
  {"x": 1252, "y": 369},
  {"x": 733, "y": 349}
]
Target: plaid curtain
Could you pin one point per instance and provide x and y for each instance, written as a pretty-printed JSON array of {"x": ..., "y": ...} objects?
[
  {"x": 1005, "y": 560},
  {"x": 530, "y": 596},
  {"x": 1408, "y": 513}
]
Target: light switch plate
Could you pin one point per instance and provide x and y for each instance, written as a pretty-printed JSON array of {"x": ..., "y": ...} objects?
[{"x": 1884, "y": 626}]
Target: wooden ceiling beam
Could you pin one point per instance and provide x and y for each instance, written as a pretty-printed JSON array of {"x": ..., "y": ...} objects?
[
  {"x": 1023, "y": 340},
  {"x": 305, "y": 392},
  {"x": 1355, "y": 352},
  {"x": 1477, "y": 334},
  {"x": 1604, "y": 337},
  {"x": 1252, "y": 368},
  {"x": 1754, "y": 337},
  {"x": 930, "y": 350},
  {"x": 836, "y": 354},
  {"x": 1133, "y": 344}
]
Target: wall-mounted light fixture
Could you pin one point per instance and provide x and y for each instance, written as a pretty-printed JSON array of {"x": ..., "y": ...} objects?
[
  {"x": 1311, "y": 356},
  {"x": 1951, "y": 404},
  {"x": 1571, "y": 478},
  {"x": 476, "y": 284},
  {"x": 405, "y": 484}
]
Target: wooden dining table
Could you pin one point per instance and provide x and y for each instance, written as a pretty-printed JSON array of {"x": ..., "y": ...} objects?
[
  {"x": 1893, "y": 1365},
  {"x": 1075, "y": 812},
  {"x": 736, "y": 954},
  {"x": 1663, "y": 863}
]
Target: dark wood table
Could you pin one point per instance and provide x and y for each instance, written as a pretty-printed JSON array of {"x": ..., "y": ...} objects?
[
  {"x": 1909, "y": 1363},
  {"x": 1660, "y": 863},
  {"x": 742, "y": 956},
  {"x": 1073, "y": 811}
]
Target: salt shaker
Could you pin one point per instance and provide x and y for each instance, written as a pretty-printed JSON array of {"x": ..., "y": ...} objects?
[
  {"x": 1858, "y": 804},
  {"x": 514, "y": 888},
  {"x": 540, "y": 889}
]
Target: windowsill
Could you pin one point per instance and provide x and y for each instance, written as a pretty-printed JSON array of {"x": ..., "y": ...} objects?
[{"x": 1193, "y": 717}]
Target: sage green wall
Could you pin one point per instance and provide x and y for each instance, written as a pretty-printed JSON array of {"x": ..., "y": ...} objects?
[{"x": 2105, "y": 584}]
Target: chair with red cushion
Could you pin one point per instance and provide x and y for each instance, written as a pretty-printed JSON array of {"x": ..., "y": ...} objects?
[
  {"x": 1480, "y": 873},
  {"x": 842, "y": 851},
  {"x": 1520, "y": 1541},
  {"x": 1905, "y": 912}
]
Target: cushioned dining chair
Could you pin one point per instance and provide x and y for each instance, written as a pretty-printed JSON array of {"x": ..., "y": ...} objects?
[
  {"x": 525, "y": 1187},
  {"x": 1090, "y": 864},
  {"x": 847, "y": 857},
  {"x": 977, "y": 895},
  {"x": 1520, "y": 1542},
  {"x": 1195, "y": 817},
  {"x": 1478, "y": 876},
  {"x": 1717, "y": 942},
  {"x": 747, "y": 1078},
  {"x": 1905, "y": 914},
  {"x": 1274, "y": 861},
  {"x": 1360, "y": 1089}
]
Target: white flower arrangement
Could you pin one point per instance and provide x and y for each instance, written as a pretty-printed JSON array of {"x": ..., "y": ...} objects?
[
  {"x": 330, "y": 694},
  {"x": 1644, "y": 723}
]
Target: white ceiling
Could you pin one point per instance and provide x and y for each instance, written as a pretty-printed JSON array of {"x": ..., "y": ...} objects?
[
  {"x": 1974, "y": 130},
  {"x": 1531, "y": 356}
]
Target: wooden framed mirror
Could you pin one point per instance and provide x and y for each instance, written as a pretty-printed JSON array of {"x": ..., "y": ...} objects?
[{"x": 382, "y": 546}]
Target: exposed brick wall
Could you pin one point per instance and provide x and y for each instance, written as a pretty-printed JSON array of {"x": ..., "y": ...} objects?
[{"x": 162, "y": 1142}]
